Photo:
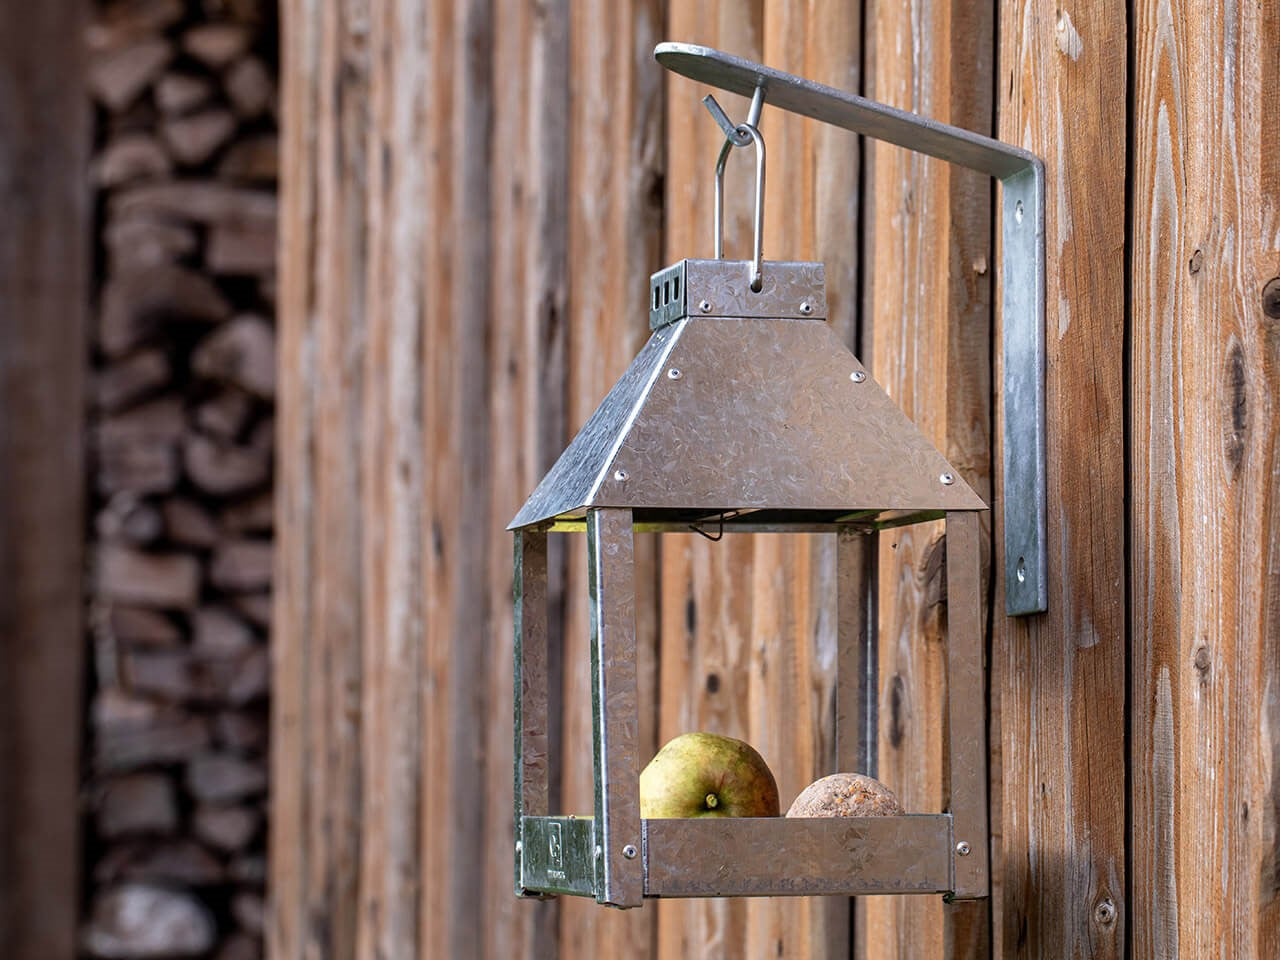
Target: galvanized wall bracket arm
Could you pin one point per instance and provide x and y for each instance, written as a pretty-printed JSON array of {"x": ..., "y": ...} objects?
[{"x": 1021, "y": 175}]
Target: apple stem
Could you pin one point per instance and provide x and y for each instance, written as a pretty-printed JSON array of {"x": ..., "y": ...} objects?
[{"x": 712, "y": 801}]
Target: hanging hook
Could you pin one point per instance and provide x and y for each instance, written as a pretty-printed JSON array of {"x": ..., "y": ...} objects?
[{"x": 757, "y": 252}]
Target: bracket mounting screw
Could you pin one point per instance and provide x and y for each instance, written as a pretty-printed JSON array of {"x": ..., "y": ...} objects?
[
  {"x": 948, "y": 479},
  {"x": 629, "y": 851},
  {"x": 962, "y": 848},
  {"x": 705, "y": 306}
]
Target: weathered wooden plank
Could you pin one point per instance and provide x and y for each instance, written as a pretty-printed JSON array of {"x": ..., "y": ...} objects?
[
  {"x": 1205, "y": 523},
  {"x": 289, "y": 838},
  {"x": 1062, "y": 674},
  {"x": 317, "y": 653},
  {"x": 615, "y": 165},
  {"x": 928, "y": 305},
  {"x": 527, "y": 387},
  {"x": 706, "y": 587},
  {"x": 749, "y": 623},
  {"x": 44, "y": 269}
]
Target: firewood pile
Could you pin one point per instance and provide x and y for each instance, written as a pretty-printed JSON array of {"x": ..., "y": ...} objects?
[{"x": 181, "y": 434}]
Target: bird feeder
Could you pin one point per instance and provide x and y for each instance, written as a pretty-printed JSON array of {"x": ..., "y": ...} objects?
[{"x": 745, "y": 413}]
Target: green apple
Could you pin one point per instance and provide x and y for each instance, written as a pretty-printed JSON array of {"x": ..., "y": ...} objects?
[{"x": 707, "y": 775}]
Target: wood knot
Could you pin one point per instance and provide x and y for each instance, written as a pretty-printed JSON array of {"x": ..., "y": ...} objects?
[
  {"x": 1203, "y": 659},
  {"x": 1197, "y": 261},
  {"x": 1104, "y": 912},
  {"x": 1237, "y": 407},
  {"x": 897, "y": 727},
  {"x": 1271, "y": 298}
]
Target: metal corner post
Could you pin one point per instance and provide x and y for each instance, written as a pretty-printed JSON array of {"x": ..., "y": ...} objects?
[
  {"x": 614, "y": 707},
  {"x": 1022, "y": 179}
]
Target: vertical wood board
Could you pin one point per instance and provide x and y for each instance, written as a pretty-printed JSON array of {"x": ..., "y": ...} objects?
[
  {"x": 927, "y": 295},
  {"x": 1205, "y": 523},
  {"x": 44, "y": 271},
  {"x": 1062, "y": 89}
]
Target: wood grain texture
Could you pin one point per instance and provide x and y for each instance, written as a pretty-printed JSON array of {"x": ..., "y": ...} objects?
[
  {"x": 615, "y": 166},
  {"x": 749, "y": 623},
  {"x": 706, "y": 587},
  {"x": 316, "y": 632},
  {"x": 528, "y": 270},
  {"x": 1205, "y": 523},
  {"x": 44, "y": 270},
  {"x": 927, "y": 343},
  {"x": 1062, "y": 675}
]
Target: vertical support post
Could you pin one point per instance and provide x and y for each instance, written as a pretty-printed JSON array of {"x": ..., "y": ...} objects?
[
  {"x": 532, "y": 719},
  {"x": 966, "y": 709},
  {"x": 614, "y": 707},
  {"x": 856, "y": 663}
]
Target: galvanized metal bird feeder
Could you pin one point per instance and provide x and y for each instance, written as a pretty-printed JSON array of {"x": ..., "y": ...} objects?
[{"x": 744, "y": 412}]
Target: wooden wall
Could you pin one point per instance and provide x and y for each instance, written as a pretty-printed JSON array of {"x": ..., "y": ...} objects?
[
  {"x": 44, "y": 300},
  {"x": 474, "y": 195}
]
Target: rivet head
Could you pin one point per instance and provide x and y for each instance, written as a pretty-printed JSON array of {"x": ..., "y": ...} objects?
[
  {"x": 705, "y": 306},
  {"x": 806, "y": 308},
  {"x": 519, "y": 848},
  {"x": 963, "y": 848},
  {"x": 674, "y": 373},
  {"x": 599, "y": 851},
  {"x": 947, "y": 479},
  {"x": 1017, "y": 211},
  {"x": 1271, "y": 298},
  {"x": 857, "y": 376},
  {"x": 629, "y": 851},
  {"x": 621, "y": 476}
]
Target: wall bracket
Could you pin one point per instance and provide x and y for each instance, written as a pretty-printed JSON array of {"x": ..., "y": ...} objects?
[{"x": 1021, "y": 175}]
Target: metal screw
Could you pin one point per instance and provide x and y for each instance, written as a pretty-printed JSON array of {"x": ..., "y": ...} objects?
[
  {"x": 519, "y": 848},
  {"x": 857, "y": 376},
  {"x": 705, "y": 306},
  {"x": 1022, "y": 570},
  {"x": 962, "y": 848},
  {"x": 599, "y": 851},
  {"x": 948, "y": 479},
  {"x": 629, "y": 851},
  {"x": 1017, "y": 211},
  {"x": 674, "y": 373},
  {"x": 1271, "y": 298},
  {"x": 806, "y": 308},
  {"x": 621, "y": 476}
]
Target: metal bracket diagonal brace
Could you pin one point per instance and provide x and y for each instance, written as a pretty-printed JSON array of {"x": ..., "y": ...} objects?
[{"x": 1021, "y": 175}]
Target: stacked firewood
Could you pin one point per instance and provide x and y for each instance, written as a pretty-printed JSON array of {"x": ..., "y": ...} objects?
[{"x": 181, "y": 465}]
